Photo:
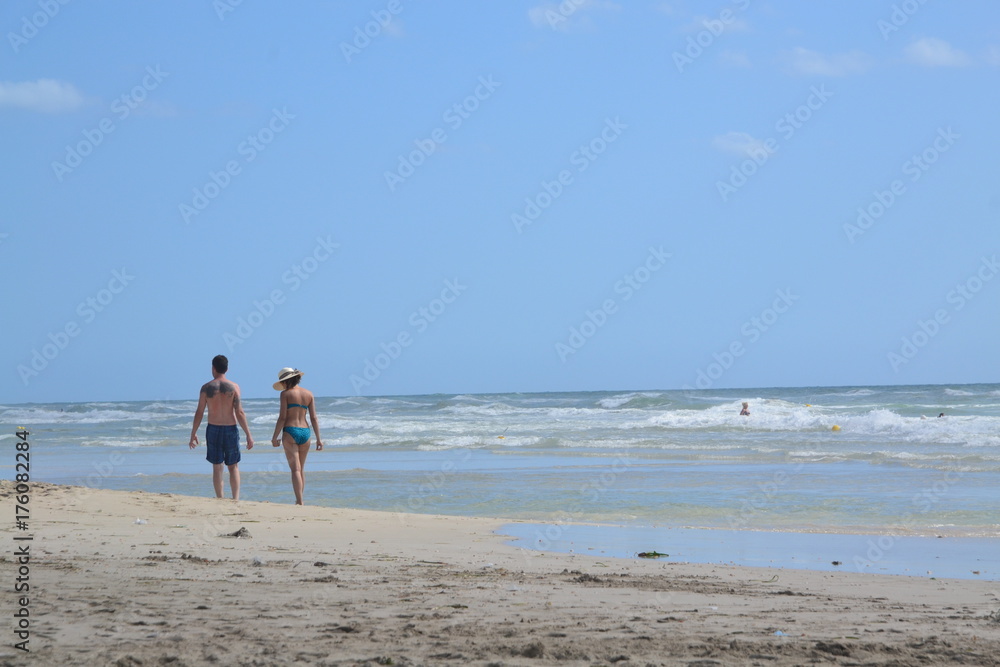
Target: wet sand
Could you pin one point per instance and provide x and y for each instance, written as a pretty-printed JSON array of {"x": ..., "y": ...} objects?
[{"x": 325, "y": 586}]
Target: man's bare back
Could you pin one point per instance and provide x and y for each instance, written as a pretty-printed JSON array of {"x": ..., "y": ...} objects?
[{"x": 223, "y": 399}]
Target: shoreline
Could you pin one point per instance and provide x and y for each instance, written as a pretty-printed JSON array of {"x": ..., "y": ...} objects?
[
  {"x": 936, "y": 556},
  {"x": 539, "y": 489},
  {"x": 333, "y": 586},
  {"x": 418, "y": 491}
]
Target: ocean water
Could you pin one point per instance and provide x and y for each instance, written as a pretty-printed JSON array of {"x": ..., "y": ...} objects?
[{"x": 642, "y": 459}]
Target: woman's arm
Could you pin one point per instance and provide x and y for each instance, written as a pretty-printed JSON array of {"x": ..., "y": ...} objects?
[{"x": 315, "y": 422}]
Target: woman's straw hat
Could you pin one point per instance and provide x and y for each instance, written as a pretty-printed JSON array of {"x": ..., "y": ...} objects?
[{"x": 285, "y": 374}]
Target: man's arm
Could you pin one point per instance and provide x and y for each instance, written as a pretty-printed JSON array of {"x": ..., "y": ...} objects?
[
  {"x": 280, "y": 424},
  {"x": 199, "y": 412},
  {"x": 241, "y": 417}
]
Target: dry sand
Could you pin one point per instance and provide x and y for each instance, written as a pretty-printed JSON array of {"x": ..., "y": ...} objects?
[{"x": 327, "y": 586}]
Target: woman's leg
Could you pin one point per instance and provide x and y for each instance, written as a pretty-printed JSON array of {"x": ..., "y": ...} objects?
[
  {"x": 303, "y": 451},
  {"x": 294, "y": 465}
]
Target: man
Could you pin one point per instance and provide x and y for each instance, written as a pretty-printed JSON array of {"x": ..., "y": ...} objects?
[{"x": 223, "y": 439}]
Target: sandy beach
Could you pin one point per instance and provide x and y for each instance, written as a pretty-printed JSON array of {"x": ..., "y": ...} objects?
[{"x": 132, "y": 578}]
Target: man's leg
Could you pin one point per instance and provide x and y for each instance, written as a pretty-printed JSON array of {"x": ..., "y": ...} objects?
[
  {"x": 234, "y": 480},
  {"x": 217, "y": 479}
]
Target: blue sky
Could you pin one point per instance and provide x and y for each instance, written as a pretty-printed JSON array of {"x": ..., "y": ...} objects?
[{"x": 412, "y": 197}]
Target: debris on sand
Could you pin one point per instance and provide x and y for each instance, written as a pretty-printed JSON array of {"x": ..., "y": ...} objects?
[{"x": 239, "y": 534}]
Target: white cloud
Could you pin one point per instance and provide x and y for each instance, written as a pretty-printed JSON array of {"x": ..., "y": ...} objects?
[
  {"x": 804, "y": 61},
  {"x": 734, "y": 59},
  {"x": 666, "y": 8},
  {"x": 933, "y": 52},
  {"x": 394, "y": 28},
  {"x": 567, "y": 14},
  {"x": 44, "y": 95},
  {"x": 739, "y": 143},
  {"x": 992, "y": 56}
]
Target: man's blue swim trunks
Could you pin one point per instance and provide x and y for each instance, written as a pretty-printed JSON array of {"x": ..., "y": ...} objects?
[
  {"x": 223, "y": 444},
  {"x": 299, "y": 433}
]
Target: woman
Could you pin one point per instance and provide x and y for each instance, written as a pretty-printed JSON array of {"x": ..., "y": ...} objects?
[{"x": 292, "y": 426}]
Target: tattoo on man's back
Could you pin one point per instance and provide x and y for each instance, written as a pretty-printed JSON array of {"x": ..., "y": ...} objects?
[{"x": 211, "y": 389}]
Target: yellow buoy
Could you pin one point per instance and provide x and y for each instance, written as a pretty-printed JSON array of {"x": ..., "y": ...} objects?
[
  {"x": 808, "y": 405},
  {"x": 835, "y": 428}
]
